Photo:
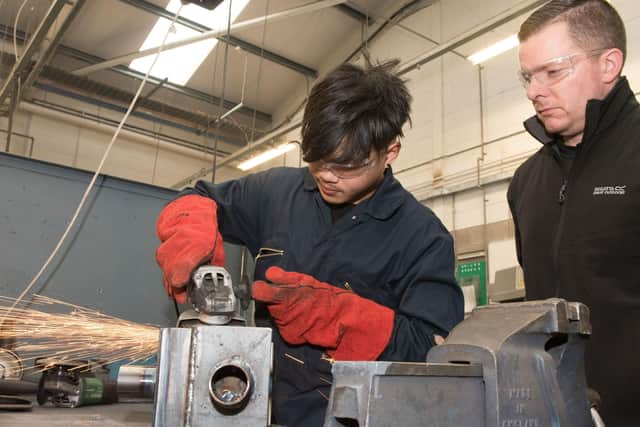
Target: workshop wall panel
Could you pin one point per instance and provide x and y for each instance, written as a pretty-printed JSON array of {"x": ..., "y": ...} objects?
[
  {"x": 628, "y": 9},
  {"x": 632, "y": 65},
  {"x": 108, "y": 262},
  {"x": 54, "y": 141},
  {"x": 505, "y": 105},
  {"x": 468, "y": 209},
  {"x": 461, "y": 126},
  {"x": 20, "y": 142},
  {"x": 497, "y": 208},
  {"x": 443, "y": 208},
  {"x": 423, "y": 139}
]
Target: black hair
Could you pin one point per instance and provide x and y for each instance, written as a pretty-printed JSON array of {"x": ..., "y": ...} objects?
[
  {"x": 593, "y": 24},
  {"x": 352, "y": 111}
]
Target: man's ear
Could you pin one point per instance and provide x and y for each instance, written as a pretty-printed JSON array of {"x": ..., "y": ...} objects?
[
  {"x": 392, "y": 152},
  {"x": 611, "y": 63}
]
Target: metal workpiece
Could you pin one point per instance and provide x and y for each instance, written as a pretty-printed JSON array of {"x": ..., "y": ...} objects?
[
  {"x": 136, "y": 383},
  {"x": 213, "y": 375},
  {"x": 507, "y": 365}
]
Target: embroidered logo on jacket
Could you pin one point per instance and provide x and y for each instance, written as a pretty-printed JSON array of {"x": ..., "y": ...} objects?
[{"x": 609, "y": 190}]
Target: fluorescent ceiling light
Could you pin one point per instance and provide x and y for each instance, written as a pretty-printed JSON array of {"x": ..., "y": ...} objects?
[
  {"x": 266, "y": 156},
  {"x": 179, "y": 64},
  {"x": 494, "y": 50}
]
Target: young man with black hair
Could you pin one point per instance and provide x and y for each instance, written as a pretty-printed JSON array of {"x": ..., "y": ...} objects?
[
  {"x": 349, "y": 265},
  {"x": 576, "y": 202}
]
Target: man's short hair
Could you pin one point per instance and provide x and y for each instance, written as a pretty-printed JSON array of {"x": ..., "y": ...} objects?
[
  {"x": 593, "y": 24},
  {"x": 352, "y": 111}
]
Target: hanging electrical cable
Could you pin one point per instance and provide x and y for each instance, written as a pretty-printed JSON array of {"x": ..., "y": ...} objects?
[
  {"x": 227, "y": 115},
  {"x": 209, "y": 118},
  {"x": 259, "y": 76},
  {"x": 2, "y": 37},
  {"x": 96, "y": 174},
  {"x": 18, "y": 82},
  {"x": 15, "y": 29},
  {"x": 221, "y": 103}
]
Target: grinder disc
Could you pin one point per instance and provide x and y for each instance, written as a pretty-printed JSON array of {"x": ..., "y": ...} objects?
[{"x": 10, "y": 365}]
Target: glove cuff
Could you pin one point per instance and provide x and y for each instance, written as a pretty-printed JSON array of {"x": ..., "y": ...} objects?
[{"x": 367, "y": 332}]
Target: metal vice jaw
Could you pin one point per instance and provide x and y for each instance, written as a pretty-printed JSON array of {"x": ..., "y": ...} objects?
[{"x": 507, "y": 365}]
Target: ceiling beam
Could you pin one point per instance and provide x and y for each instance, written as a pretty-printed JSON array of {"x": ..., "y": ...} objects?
[
  {"x": 183, "y": 90},
  {"x": 296, "y": 11},
  {"x": 33, "y": 45},
  {"x": 354, "y": 13},
  {"x": 234, "y": 41},
  {"x": 52, "y": 40},
  {"x": 126, "y": 71}
]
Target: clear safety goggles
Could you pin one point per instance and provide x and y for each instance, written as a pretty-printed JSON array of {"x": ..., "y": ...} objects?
[
  {"x": 555, "y": 70},
  {"x": 341, "y": 170}
]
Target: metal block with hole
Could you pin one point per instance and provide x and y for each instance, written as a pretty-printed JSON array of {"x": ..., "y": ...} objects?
[{"x": 213, "y": 375}]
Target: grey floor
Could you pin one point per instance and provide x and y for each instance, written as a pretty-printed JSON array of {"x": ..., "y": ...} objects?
[{"x": 116, "y": 415}]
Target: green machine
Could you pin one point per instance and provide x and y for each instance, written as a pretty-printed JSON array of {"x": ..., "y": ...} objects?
[{"x": 473, "y": 272}]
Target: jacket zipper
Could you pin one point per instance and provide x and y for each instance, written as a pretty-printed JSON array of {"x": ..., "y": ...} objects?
[{"x": 562, "y": 197}]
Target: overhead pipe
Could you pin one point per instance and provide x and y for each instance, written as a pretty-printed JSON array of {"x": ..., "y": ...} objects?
[
  {"x": 139, "y": 114},
  {"x": 102, "y": 127},
  {"x": 466, "y": 180}
]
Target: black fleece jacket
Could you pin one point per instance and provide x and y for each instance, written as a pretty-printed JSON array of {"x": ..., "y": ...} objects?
[{"x": 578, "y": 238}]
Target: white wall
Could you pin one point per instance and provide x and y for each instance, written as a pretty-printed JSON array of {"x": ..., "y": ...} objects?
[
  {"x": 68, "y": 140},
  {"x": 447, "y": 121}
]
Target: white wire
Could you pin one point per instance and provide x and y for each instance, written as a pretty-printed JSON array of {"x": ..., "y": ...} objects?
[
  {"x": 2, "y": 52},
  {"x": 15, "y": 29},
  {"x": 97, "y": 172},
  {"x": 595, "y": 417}
]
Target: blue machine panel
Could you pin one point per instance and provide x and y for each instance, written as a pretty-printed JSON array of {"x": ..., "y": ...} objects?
[{"x": 107, "y": 262}]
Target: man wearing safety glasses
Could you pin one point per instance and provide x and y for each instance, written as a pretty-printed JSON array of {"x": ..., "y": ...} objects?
[
  {"x": 576, "y": 202},
  {"x": 349, "y": 265}
]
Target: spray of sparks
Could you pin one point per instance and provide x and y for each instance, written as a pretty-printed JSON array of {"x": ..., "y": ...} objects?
[{"x": 79, "y": 334}]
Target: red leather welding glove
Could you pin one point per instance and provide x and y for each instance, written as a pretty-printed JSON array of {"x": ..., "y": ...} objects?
[
  {"x": 309, "y": 311},
  {"x": 188, "y": 230}
]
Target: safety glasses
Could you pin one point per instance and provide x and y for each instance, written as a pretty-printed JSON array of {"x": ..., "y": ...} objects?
[
  {"x": 557, "y": 69},
  {"x": 342, "y": 171}
]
